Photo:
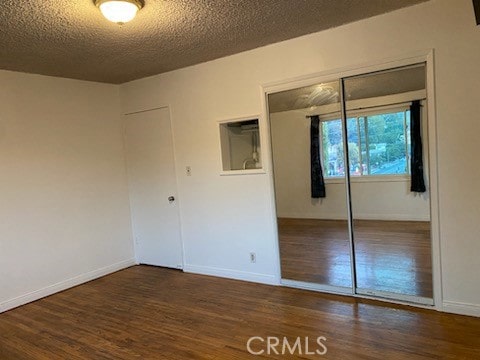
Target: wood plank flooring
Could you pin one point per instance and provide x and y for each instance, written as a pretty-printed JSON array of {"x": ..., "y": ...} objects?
[
  {"x": 391, "y": 256},
  {"x": 153, "y": 313}
]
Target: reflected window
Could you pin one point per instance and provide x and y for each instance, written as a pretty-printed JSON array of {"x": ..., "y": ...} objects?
[{"x": 378, "y": 144}]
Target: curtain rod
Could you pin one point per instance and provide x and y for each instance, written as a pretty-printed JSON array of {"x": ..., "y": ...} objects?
[{"x": 367, "y": 107}]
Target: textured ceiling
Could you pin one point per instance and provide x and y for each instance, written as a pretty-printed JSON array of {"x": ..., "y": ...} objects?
[{"x": 72, "y": 39}]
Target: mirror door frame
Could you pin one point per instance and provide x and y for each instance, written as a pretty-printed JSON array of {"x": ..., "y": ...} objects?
[{"x": 339, "y": 74}]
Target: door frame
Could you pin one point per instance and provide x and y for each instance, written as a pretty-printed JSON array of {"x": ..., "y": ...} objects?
[
  {"x": 426, "y": 56},
  {"x": 175, "y": 162}
]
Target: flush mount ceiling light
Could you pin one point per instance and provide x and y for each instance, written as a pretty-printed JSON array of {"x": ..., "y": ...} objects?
[{"x": 119, "y": 11}]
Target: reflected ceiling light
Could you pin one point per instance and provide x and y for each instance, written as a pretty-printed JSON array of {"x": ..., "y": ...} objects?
[{"x": 119, "y": 11}]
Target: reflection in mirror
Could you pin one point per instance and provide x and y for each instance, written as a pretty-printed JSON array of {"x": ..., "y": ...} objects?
[
  {"x": 388, "y": 148},
  {"x": 313, "y": 230}
]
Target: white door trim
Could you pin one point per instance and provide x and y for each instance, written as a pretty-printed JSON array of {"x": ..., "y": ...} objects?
[{"x": 426, "y": 56}]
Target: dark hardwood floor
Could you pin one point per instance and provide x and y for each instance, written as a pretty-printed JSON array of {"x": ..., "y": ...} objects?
[
  {"x": 391, "y": 256},
  {"x": 153, "y": 313}
]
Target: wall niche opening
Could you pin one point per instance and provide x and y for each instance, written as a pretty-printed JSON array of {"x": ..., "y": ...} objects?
[{"x": 240, "y": 145}]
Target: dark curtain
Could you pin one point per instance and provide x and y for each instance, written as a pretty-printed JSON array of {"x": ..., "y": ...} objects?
[
  {"x": 418, "y": 183},
  {"x": 476, "y": 8},
  {"x": 318, "y": 183}
]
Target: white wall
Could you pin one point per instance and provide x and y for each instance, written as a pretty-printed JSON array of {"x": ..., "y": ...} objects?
[
  {"x": 372, "y": 198},
  {"x": 64, "y": 212},
  {"x": 224, "y": 218}
]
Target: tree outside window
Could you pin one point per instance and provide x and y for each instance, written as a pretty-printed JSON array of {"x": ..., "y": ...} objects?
[{"x": 378, "y": 145}]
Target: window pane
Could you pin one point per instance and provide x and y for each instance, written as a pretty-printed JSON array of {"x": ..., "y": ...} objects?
[
  {"x": 363, "y": 146},
  {"x": 409, "y": 144},
  {"x": 386, "y": 144},
  {"x": 332, "y": 148},
  {"x": 353, "y": 147}
]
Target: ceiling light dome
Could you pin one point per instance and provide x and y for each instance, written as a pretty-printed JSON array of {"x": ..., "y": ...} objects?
[{"x": 119, "y": 11}]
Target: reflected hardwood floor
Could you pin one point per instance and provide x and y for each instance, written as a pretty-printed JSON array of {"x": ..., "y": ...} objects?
[
  {"x": 153, "y": 313},
  {"x": 391, "y": 256}
]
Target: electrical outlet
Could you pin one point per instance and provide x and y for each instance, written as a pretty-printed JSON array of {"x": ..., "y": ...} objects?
[
  {"x": 188, "y": 170},
  {"x": 253, "y": 257}
]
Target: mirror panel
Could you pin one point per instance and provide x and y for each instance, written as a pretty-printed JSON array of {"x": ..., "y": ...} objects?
[
  {"x": 391, "y": 222},
  {"x": 313, "y": 232}
]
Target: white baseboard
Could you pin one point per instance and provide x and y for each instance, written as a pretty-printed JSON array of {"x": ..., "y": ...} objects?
[
  {"x": 232, "y": 274},
  {"x": 63, "y": 285},
  {"x": 461, "y": 308}
]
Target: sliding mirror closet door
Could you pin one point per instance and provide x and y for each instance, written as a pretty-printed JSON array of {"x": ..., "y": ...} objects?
[
  {"x": 388, "y": 160},
  {"x": 310, "y": 188}
]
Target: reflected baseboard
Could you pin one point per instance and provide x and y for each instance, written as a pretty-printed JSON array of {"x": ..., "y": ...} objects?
[
  {"x": 404, "y": 298},
  {"x": 382, "y": 217},
  {"x": 331, "y": 289}
]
